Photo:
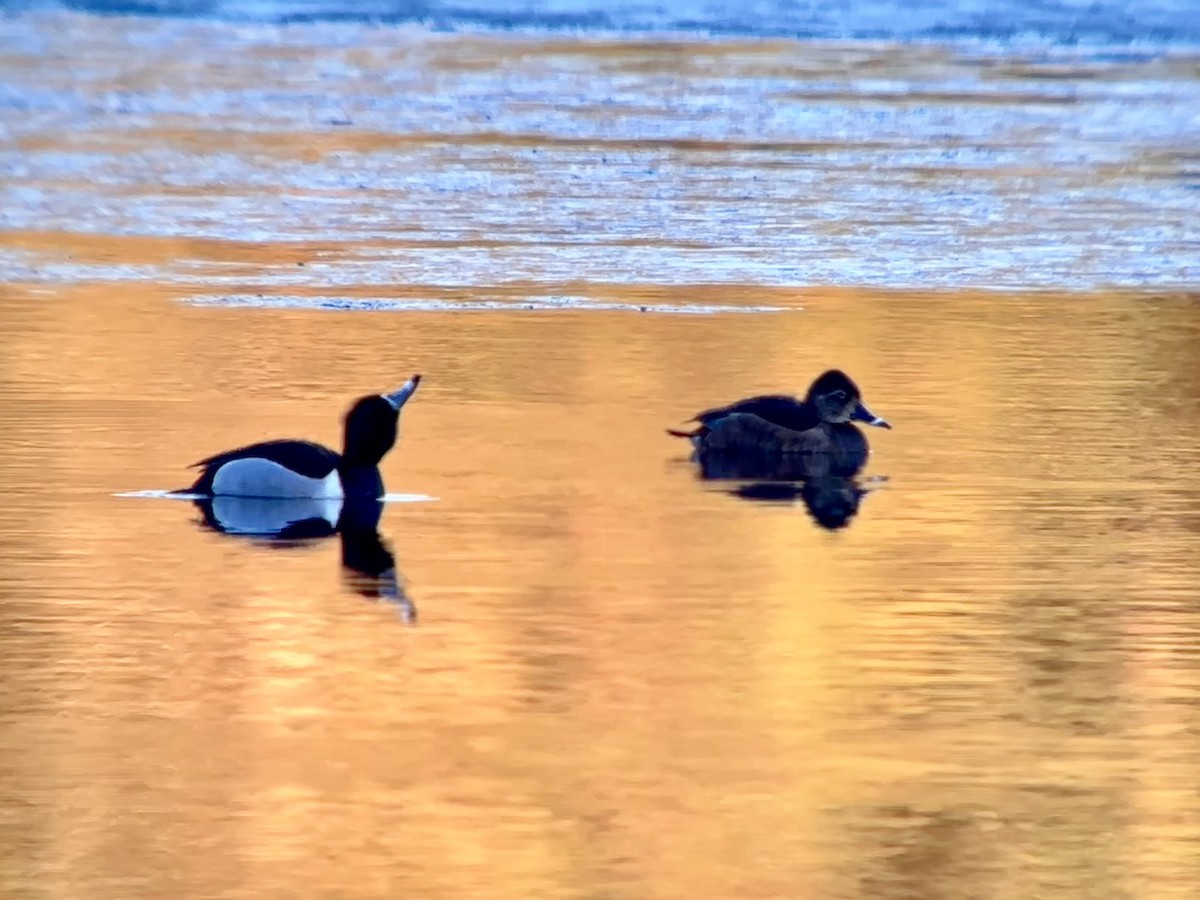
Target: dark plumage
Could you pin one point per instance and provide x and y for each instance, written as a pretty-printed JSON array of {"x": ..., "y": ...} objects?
[
  {"x": 303, "y": 457},
  {"x": 781, "y": 437},
  {"x": 831, "y": 501}
]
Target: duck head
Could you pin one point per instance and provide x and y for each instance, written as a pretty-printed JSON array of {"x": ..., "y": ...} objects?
[
  {"x": 837, "y": 399},
  {"x": 372, "y": 424}
]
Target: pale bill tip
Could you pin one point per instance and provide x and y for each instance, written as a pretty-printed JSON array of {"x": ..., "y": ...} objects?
[{"x": 396, "y": 399}]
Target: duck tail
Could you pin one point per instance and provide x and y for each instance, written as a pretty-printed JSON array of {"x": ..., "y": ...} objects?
[{"x": 683, "y": 434}]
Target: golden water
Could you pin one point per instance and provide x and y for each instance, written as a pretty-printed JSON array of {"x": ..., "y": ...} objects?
[{"x": 622, "y": 683}]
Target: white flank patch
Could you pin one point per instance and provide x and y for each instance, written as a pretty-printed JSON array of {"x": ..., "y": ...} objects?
[{"x": 263, "y": 478}]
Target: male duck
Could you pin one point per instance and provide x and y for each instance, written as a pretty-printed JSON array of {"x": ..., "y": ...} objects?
[
  {"x": 292, "y": 469},
  {"x": 784, "y": 437}
]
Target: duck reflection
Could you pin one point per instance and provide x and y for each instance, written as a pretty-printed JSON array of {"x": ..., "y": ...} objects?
[
  {"x": 824, "y": 482},
  {"x": 845, "y": 460},
  {"x": 831, "y": 501},
  {"x": 368, "y": 564}
]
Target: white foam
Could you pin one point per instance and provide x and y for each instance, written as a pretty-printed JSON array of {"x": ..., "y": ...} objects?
[{"x": 370, "y": 304}]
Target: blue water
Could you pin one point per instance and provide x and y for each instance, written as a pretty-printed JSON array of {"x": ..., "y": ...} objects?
[
  {"x": 408, "y": 156},
  {"x": 1138, "y": 26}
]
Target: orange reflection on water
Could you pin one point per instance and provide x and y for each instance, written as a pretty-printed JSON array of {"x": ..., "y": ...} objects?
[{"x": 621, "y": 682}]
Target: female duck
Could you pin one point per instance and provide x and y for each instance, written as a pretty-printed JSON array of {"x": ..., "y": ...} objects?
[
  {"x": 784, "y": 436},
  {"x": 301, "y": 469}
]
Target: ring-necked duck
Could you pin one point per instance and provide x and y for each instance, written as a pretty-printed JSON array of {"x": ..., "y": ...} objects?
[
  {"x": 813, "y": 435},
  {"x": 301, "y": 469}
]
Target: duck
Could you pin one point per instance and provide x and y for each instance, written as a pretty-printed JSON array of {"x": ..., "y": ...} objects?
[
  {"x": 784, "y": 437},
  {"x": 297, "y": 469}
]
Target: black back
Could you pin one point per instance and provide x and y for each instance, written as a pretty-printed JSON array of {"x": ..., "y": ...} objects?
[
  {"x": 304, "y": 457},
  {"x": 831, "y": 389},
  {"x": 778, "y": 409}
]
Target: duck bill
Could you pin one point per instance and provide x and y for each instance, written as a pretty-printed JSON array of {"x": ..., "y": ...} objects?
[
  {"x": 398, "y": 398},
  {"x": 862, "y": 414}
]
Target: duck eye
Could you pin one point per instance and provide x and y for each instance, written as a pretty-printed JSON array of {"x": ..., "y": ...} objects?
[{"x": 838, "y": 396}]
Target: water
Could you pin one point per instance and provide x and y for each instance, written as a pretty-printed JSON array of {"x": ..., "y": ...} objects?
[
  {"x": 620, "y": 681},
  {"x": 1106, "y": 22},
  {"x": 559, "y": 665},
  {"x": 398, "y": 164}
]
